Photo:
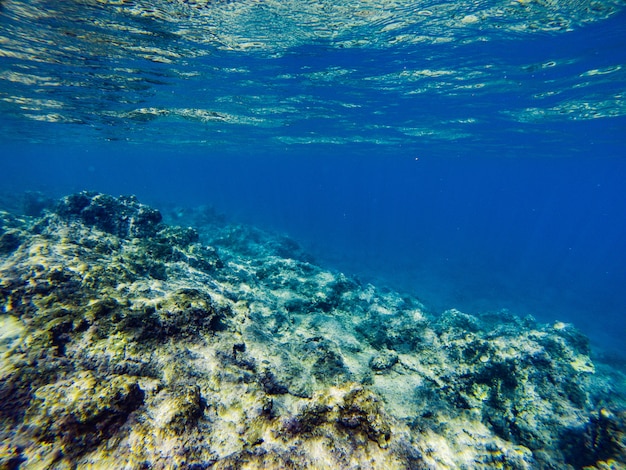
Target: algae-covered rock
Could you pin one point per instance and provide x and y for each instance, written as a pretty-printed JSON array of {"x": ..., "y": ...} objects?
[
  {"x": 11, "y": 456},
  {"x": 383, "y": 360},
  {"x": 9, "y": 242},
  {"x": 82, "y": 410},
  {"x": 349, "y": 416},
  {"x": 362, "y": 411},
  {"x": 187, "y": 312},
  {"x": 135, "y": 344},
  {"x": 601, "y": 439},
  {"x": 270, "y": 383},
  {"x": 124, "y": 217},
  {"x": 522, "y": 381},
  {"x": 183, "y": 313},
  {"x": 179, "y": 409},
  {"x": 13, "y": 231}
]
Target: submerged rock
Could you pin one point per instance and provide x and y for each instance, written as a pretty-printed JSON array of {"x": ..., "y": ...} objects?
[
  {"x": 384, "y": 360},
  {"x": 130, "y": 343},
  {"x": 9, "y": 242},
  {"x": 601, "y": 439},
  {"x": 82, "y": 411},
  {"x": 124, "y": 217}
]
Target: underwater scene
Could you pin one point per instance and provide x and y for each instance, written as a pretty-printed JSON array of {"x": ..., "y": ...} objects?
[{"x": 313, "y": 234}]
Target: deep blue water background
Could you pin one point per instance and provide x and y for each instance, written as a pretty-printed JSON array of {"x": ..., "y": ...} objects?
[
  {"x": 538, "y": 236},
  {"x": 524, "y": 215}
]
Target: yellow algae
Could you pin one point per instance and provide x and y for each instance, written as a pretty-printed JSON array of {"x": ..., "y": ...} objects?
[
  {"x": 609, "y": 464},
  {"x": 480, "y": 391},
  {"x": 11, "y": 331},
  {"x": 8, "y": 306},
  {"x": 583, "y": 364}
]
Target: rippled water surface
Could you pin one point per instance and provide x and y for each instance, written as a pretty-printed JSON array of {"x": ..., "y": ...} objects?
[
  {"x": 470, "y": 151},
  {"x": 246, "y": 73}
]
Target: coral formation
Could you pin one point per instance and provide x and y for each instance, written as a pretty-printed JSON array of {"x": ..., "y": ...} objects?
[{"x": 126, "y": 342}]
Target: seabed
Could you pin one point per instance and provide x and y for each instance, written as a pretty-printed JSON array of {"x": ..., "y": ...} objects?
[{"x": 130, "y": 343}]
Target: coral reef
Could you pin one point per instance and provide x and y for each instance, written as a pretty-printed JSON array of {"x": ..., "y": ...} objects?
[{"x": 127, "y": 342}]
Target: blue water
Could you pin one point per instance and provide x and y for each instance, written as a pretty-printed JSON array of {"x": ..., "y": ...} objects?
[{"x": 478, "y": 164}]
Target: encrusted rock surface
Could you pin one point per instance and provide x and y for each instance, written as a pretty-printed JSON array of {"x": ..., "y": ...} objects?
[{"x": 129, "y": 343}]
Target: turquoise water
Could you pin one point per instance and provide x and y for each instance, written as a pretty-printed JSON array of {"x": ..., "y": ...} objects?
[{"x": 473, "y": 155}]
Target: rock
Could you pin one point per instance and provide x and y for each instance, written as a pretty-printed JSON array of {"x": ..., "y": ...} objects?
[
  {"x": 187, "y": 312},
  {"x": 351, "y": 410},
  {"x": 270, "y": 383},
  {"x": 307, "y": 421},
  {"x": 83, "y": 410},
  {"x": 327, "y": 363},
  {"x": 383, "y": 360},
  {"x": 361, "y": 411},
  {"x": 180, "y": 409},
  {"x": 9, "y": 242},
  {"x": 603, "y": 438},
  {"x": 11, "y": 457},
  {"x": 124, "y": 217},
  {"x": 125, "y": 341}
]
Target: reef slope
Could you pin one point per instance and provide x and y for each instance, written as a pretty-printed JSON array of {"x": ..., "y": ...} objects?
[{"x": 126, "y": 342}]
